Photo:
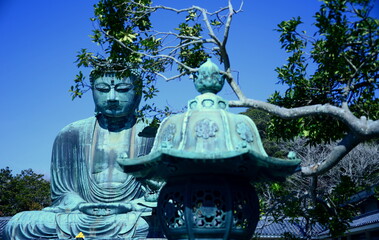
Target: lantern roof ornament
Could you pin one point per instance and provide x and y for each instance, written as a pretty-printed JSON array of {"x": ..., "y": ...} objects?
[
  {"x": 208, "y": 78},
  {"x": 208, "y": 139}
]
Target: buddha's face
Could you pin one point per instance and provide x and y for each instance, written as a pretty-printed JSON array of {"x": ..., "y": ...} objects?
[{"x": 114, "y": 97}]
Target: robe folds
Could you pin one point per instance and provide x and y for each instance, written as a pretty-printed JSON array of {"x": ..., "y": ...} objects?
[{"x": 81, "y": 158}]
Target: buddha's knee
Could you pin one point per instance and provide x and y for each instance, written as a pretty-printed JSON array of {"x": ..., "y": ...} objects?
[
  {"x": 142, "y": 229},
  {"x": 31, "y": 225}
]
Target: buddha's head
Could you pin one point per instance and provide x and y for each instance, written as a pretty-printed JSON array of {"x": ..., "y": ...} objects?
[{"x": 115, "y": 96}]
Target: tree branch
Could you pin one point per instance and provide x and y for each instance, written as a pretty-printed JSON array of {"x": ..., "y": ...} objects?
[
  {"x": 236, "y": 89},
  {"x": 209, "y": 26},
  {"x": 338, "y": 152},
  {"x": 170, "y": 78},
  {"x": 363, "y": 128},
  {"x": 229, "y": 21},
  {"x": 163, "y": 56}
]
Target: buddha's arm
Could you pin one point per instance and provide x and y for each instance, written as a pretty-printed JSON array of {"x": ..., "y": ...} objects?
[
  {"x": 103, "y": 209},
  {"x": 67, "y": 203},
  {"x": 65, "y": 174}
]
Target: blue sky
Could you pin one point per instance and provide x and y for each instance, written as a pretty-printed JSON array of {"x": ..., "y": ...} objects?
[{"x": 39, "y": 41}]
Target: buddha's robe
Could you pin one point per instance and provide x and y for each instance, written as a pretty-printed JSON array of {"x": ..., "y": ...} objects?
[{"x": 84, "y": 170}]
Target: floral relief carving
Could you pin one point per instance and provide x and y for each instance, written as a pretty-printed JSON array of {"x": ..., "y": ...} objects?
[
  {"x": 206, "y": 128},
  {"x": 244, "y": 132},
  {"x": 168, "y": 135}
]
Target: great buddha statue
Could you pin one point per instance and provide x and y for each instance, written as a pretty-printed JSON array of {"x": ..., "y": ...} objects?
[{"x": 90, "y": 193}]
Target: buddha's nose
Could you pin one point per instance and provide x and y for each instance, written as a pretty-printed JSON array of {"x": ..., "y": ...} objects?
[{"x": 112, "y": 96}]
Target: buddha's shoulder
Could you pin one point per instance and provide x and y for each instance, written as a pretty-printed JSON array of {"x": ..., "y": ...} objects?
[{"x": 80, "y": 125}]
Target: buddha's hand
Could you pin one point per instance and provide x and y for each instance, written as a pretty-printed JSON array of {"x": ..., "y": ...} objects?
[
  {"x": 152, "y": 189},
  {"x": 141, "y": 205},
  {"x": 66, "y": 203},
  {"x": 105, "y": 209}
]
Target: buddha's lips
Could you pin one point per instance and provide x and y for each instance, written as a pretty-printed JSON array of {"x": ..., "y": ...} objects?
[{"x": 114, "y": 106}]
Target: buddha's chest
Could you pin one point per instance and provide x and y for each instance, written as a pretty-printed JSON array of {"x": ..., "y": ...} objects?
[{"x": 107, "y": 148}]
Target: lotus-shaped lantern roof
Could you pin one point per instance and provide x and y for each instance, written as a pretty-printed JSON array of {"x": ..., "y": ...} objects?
[{"x": 208, "y": 139}]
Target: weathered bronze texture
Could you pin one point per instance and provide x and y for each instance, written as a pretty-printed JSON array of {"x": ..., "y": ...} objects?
[
  {"x": 208, "y": 150},
  {"x": 91, "y": 193}
]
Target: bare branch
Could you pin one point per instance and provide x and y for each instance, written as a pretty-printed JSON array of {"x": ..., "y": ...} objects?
[
  {"x": 236, "y": 89},
  {"x": 171, "y": 58},
  {"x": 154, "y": 8},
  {"x": 170, "y": 78},
  {"x": 338, "y": 152},
  {"x": 175, "y": 35},
  {"x": 365, "y": 129},
  {"x": 218, "y": 11},
  {"x": 351, "y": 64},
  {"x": 209, "y": 26},
  {"x": 174, "y": 48},
  {"x": 229, "y": 21},
  {"x": 163, "y": 56},
  {"x": 361, "y": 128}
]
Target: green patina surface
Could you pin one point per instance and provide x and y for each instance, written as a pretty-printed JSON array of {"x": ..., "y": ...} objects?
[
  {"x": 95, "y": 160},
  {"x": 91, "y": 193},
  {"x": 208, "y": 139}
]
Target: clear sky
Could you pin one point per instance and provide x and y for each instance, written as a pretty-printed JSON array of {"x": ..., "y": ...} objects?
[{"x": 39, "y": 40}]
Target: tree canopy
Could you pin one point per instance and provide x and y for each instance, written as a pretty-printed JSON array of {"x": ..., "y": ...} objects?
[
  {"x": 344, "y": 54},
  {"x": 332, "y": 75},
  {"x": 22, "y": 192},
  {"x": 326, "y": 199}
]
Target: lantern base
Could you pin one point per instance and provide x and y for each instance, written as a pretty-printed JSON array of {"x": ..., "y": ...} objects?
[{"x": 208, "y": 207}]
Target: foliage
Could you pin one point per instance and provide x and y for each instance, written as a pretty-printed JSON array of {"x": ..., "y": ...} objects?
[
  {"x": 343, "y": 53},
  {"x": 191, "y": 55},
  {"x": 324, "y": 199},
  {"x": 22, "y": 192},
  {"x": 341, "y": 67},
  {"x": 262, "y": 120},
  {"x": 130, "y": 44},
  {"x": 332, "y": 71},
  {"x": 122, "y": 30}
]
